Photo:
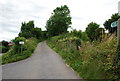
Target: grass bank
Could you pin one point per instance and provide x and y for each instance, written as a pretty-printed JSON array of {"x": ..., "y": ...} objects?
[
  {"x": 94, "y": 61},
  {"x": 14, "y": 54}
]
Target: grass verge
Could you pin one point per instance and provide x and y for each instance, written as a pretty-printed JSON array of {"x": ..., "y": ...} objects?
[
  {"x": 92, "y": 61},
  {"x": 14, "y": 55}
]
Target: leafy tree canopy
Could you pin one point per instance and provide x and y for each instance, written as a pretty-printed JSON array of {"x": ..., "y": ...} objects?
[
  {"x": 37, "y": 33},
  {"x": 91, "y": 30},
  {"x": 59, "y": 21},
  {"x": 5, "y": 43},
  {"x": 5, "y": 46},
  {"x": 26, "y": 29},
  {"x": 107, "y": 23}
]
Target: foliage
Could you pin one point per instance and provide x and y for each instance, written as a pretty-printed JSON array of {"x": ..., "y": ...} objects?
[
  {"x": 91, "y": 30},
  {"x": 59, "y": 21},
  {"x": 76, "y": 33},
  {"x": 99, "y": 32},
  {"x": 44, "y": 35},
  {"x": 102, "y": 55},
  {"x": 5, "y": 46},
  {"x": 15, "y": 54},
  {"x": 17, "y": 46},
  {"x": 37, "y": 33},
  {"x": 107, "y": 23},
  {"x": 18, "y": 39},
  {"x": 26, "y": 29},
  {"x": 84, "y": 36},
  {"x": 92, "y": 61}
]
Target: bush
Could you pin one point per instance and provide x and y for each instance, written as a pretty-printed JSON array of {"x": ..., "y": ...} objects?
[
  {"x": 17, "y": 46},
  {"x": 4, "y": 47},
  {"x": 15, "y": 54}
]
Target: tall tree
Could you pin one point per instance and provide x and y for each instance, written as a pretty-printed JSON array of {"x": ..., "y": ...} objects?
[
  {"x": 59, "y": 21},
  {"x": 91, "y": 30},
  {"x": 107, "y": 23},
  {"x": 37, "y": 33},
  {"x": 26, "y": 29}
]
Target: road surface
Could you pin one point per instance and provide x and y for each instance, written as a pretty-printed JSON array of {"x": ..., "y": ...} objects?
[{"x": 43, "y": 64}]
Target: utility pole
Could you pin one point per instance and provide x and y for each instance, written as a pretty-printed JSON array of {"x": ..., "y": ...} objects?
[
  {"x": 118, "y": 30},
  {"x": 117, "y": 57}
]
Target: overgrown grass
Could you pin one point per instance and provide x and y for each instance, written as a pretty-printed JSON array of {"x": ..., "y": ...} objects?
[
  {"x": 92, "y": 61},
  {"x": 13, "y": 56},
  {"x": 99, "y": 59}
]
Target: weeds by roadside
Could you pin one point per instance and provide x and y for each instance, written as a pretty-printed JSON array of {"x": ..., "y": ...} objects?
[
  {"x": 92, "y": 61},
  {"x": 15, "y": 54}
]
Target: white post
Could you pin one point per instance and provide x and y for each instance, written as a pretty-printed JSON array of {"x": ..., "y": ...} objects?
[{"x": 21, "y": 49}]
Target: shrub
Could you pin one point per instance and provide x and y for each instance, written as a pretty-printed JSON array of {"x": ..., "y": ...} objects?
[{"x": 15, "y": 54}]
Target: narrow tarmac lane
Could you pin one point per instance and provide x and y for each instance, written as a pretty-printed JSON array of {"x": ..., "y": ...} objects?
[{"x": 43, "y": 64}]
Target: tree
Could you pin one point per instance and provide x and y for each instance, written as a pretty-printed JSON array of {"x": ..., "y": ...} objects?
[
  {"x": 5, "y": 46},
  {"x": 59, "y": 21},
  {"x": 44, "y": 34},
  {"x": 107, "y": 23},
  {"x": 91, "y": 30},
  {"x": 76, "y": 33},
  {"x": 99, "y": 33},
  {"x": 37, "y": 33},
  {"x": 84, "y": 36},
  {"x": 26, "y": 29}
]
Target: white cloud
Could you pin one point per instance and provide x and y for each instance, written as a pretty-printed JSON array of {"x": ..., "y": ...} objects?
[{"x": 82, "y": 11}]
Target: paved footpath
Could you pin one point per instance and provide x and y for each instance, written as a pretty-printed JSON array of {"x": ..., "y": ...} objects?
[{"x": 43, "y": 64}]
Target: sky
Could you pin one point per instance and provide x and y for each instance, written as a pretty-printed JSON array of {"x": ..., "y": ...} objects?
[{"x": 14, "y": 12}]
